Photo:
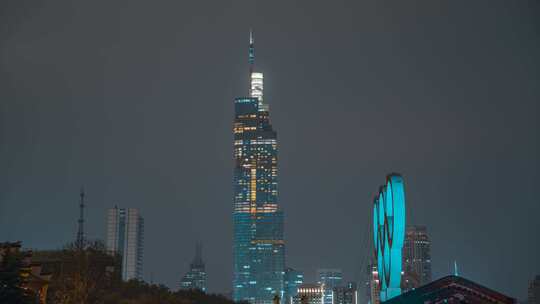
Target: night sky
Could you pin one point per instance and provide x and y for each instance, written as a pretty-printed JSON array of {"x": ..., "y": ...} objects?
[{"x": 134, "y": 100}]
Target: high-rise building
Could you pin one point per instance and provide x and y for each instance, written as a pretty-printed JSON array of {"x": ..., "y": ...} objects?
[
  {"x": 416, "y": 258},
  {"x": 534, "y": 291},
  {"x": 330, "y": 279},
  {"x": 310, "y": 294},
  {"x": 125, "y": 236},
  {"x": 372, "y": 286},
  {"x": 195, "y": 278},
  {"x": 258, "y": 249},
  {"x": 293, "y": 279},
  {"x": 347, "y": 294}
]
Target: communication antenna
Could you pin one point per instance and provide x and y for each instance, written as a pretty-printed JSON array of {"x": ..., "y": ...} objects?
[{"x": 80, "y": 232}]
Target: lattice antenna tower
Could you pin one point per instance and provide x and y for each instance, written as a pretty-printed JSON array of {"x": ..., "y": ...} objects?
[{"x": 80, "y": 243}]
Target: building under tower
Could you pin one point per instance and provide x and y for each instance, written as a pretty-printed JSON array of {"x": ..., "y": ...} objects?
[{"x": 258, "y": 247}]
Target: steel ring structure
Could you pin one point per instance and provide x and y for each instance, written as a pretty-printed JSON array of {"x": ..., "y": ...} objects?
[{"x": 389, "y": 234}]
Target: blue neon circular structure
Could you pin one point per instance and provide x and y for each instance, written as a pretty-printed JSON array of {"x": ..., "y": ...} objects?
[{"x": 389, "y": 234}]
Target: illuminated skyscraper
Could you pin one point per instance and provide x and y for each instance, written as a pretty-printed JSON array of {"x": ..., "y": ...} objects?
[
  {"x": 259, "y": 250},
  {"x": 195, "y": 278},
  {"x": 293, "y": 279},
  {"x": 125, "y": 236},
  {"x": 416, "y": 258},
  {"x": 373, "y": 285},
  {"x": 330, "y": 279}
]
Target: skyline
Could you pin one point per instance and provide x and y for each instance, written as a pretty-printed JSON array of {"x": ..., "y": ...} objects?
[{"x": 119, "y": 117}]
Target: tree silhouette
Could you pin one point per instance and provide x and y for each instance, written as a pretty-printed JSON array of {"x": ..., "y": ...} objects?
[{"x": 11, "y": 281}]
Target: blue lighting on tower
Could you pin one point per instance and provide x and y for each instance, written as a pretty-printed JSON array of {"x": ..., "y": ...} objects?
[{"x": 389, "y": 234}]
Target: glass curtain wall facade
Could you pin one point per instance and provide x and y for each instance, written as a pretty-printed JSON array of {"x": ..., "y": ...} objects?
[
  {"x": 330, "y": 278},
  {"x": 258, "y": 250},
  {"x": 293, "y": 279},
  {"x": 125, "y": 236}
]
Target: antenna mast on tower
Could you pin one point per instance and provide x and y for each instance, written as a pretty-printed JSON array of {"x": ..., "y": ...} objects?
[{"x": 80, "y": 232}]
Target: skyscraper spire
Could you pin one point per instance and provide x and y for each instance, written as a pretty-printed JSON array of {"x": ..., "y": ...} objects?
[
  {"x": 251, "y": 59},
  {"x": 195, "y": 278},
  {"x": 198, "y": 254},
  {"x": 256, "y": 79},
  {"x": 80, "y": 232}
]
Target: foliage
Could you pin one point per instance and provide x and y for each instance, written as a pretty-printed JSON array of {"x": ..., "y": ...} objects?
[
  {"x": 11, "y": 268},
  {"x": 90, "y": 275},
  {"x": 80, "y": 275},
  {"x": 137, "y": 292}
]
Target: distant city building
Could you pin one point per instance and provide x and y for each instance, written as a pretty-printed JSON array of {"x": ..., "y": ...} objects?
[
  {"x": 372, "y": 285},
  {"x": 416, "y": 258},
  {"x": 330, "y": 279},
  {"x": 389, "y": 234},
  {"x": 310, "y": 294},
  {"x": 452, "y": 290},
  {"x": 534, "y": 291},
  {"x": 258, "y": 245},
  {"x": 195, "y": 278},
  {"x": 347, "y": 294},
  {"x": 293, "y": 279},
  {"x": 125, "y": 236}
]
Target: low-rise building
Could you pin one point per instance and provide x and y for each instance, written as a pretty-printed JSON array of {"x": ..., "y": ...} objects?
[
  {"x": 310, "y": 294},
  {"x": 452, "y": 290}
]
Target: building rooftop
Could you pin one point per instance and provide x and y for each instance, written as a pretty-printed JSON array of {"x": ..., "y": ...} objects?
[{"x": 452, "y": 289}]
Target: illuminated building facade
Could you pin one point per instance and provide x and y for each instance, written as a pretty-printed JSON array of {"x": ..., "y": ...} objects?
[
  {"x": 330, "y": 279},
  {"x": 258, "y": 249},
  {"x": 389, "y": 235},
  {"x": 416, "y": 258},
  {"x": 372, "y": 285},
  {"x": 293, "y": 279},
  {"x": 347, "y": 294},
  {"x": 125, "y": 236},
  {"x": 195, "y": 278},
  {"x": 310, "y": 294}
]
